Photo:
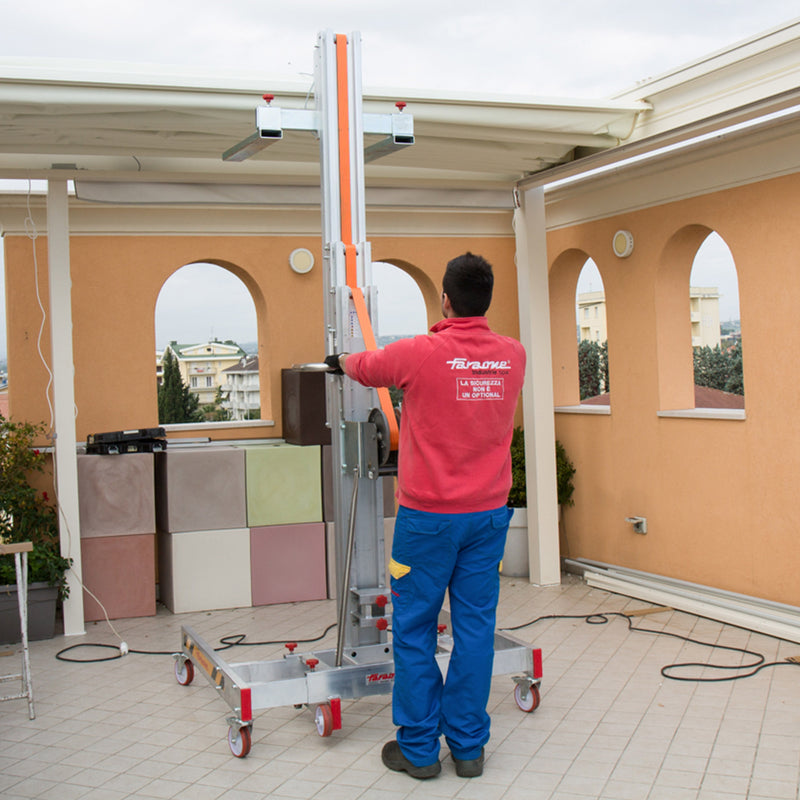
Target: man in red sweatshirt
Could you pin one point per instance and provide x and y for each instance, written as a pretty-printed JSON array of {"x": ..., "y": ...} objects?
[{"x": 460, "y": 388}]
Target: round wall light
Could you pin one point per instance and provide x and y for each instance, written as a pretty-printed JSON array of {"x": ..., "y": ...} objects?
[
  {"x": 301, "y": 260},
  {"x": 622, "y": 243}
]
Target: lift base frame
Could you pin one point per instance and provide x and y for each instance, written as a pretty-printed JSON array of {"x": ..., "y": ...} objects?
[{"x": 312, "y": 678}]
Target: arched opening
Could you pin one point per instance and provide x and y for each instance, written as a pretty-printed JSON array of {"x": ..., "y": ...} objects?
[
  {"x": 207, "y": 355},
  {"x": 407, "y": 299},
  {"x": 563, "y": 280},
  {"x": 715, "y": 326},
  {"x": 590, "y": 315},
  {"x": 402, "y": 310}
]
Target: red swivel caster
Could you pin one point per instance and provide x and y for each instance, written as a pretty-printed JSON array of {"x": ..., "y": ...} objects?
[
  {"x": 323, "y": 719},
  {"x": 240, "y": 740},
  {"x": 527, "y": 698}
]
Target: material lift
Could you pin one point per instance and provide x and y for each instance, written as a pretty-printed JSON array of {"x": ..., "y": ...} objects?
[{"x": 364, "y": 435}]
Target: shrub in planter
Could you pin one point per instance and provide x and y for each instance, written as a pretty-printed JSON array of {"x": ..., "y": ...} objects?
[
  {"x": 515, "y": 557},
  {"x": 26, "y": 514},
  {"x": 565, "y": 470}
]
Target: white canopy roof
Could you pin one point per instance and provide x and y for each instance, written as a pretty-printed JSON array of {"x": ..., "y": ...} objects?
[{"x": 135, "y": 125}]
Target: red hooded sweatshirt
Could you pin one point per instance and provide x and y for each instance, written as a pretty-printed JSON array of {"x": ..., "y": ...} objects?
[{"x": 460, "y": 389}]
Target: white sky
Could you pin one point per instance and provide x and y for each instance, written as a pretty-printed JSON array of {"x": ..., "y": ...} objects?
[
  {"x": 574, "y": 48},
  {"x": 579, "y": 48}
]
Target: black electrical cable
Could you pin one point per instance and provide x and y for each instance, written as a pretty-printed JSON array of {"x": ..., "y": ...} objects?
[
  {"x": 599, "y": 618},
  {"x": 667, "y": 671},
  {"x": 235, "y": 640}
]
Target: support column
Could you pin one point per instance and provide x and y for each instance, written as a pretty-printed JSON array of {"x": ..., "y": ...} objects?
[
  {"x": 537, "y": 393},
  {"x": 65, "y": 459}
]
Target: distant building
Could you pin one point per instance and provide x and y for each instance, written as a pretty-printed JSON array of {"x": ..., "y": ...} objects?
[
  {"x": 592, "y": 317},
  {"x": 203, "y": 365},
  {"x": 704, "y": 302},
  {"x": 703, "y": 313},
  {"x": 241, "y": 389}
]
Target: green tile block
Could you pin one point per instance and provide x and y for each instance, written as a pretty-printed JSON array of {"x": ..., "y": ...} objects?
[{"x": 284, "y": 484}]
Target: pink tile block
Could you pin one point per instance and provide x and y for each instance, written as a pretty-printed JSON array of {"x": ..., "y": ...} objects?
[
  {"x": 121, "y": 572},
  {"x": 287, "y": 563},
  {"x": 116, "y": 494}
]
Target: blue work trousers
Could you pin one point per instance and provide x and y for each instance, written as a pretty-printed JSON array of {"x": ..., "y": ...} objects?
[{"x": 432, "y": 553}]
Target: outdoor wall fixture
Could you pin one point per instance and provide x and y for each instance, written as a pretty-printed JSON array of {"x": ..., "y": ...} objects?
[
  {"x": 622, "y": 243},
  {"x": 639, "y": 524},
  {"x": 301, "y": 260}
]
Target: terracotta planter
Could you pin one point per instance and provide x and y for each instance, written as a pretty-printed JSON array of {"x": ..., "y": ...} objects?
[{"x": 41, "y": 613}]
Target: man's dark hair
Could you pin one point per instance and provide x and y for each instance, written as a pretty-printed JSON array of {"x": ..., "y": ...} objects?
[{"x": 468, "y": 282}]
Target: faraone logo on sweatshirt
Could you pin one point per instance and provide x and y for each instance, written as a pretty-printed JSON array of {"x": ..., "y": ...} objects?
[{"x": 463, "y": 363}]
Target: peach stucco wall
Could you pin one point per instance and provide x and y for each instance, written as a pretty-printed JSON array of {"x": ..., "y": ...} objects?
[
  {"x": 116, "y": 281},
  {"x": 719, "y": 495}
]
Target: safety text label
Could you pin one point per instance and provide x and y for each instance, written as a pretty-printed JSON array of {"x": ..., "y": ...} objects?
[{"x": 480, "y": 388}]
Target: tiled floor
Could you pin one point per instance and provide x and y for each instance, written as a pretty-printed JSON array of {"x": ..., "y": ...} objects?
[{"x": 609, "y": 726}]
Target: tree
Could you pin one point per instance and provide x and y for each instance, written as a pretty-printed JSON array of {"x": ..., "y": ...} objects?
[
  {"x": 175, "y": 402},
  {"x": 719, "y": 369},
  {"x": 593, "y": 368},
  {"x": 215, "y": 412},
  {"x": 604, "y": 366},
  {"x": 735, "y": 381}
]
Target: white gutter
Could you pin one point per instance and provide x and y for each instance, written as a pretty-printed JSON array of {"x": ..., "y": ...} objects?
[{"x": 738, "y": 122}]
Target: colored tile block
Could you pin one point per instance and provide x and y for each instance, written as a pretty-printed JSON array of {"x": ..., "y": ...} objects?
[
  {"x": 330, "y": 559},
  {"x": 283, "y": 485},
  {"x": 328, "y": 512},
  {"x": 116, "y": 494},
  {"x": 200, "y": 489},
  {"x": 288, "y": 563},
  {"x": 121, "y": 572},
  {"x": 204, "y": 570}
]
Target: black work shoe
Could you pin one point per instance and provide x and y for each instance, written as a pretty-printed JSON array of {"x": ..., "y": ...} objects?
[
  {"x": 469, "y": 768},
  {"x": 392, "y": 756}
]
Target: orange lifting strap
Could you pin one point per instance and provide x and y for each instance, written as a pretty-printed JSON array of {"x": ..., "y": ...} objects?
[{"x": 347, "y": 230}]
